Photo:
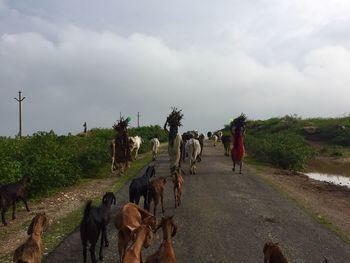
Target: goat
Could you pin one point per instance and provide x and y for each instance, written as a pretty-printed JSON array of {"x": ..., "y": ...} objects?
[
  {"x": 155, "y": 145},
  {"x": 273, "y": 253},
  {"x": 135, "y": 144},
  {"x": 31, "y": 250},
  {"x": 178, "y": 185},
  {"x": 95, "y": 220},
  {"x": 193, "y": 149},
  {"x": 142, "y": 236},
  {"x": 11, "y": 193},
  {"x": 128, "y": 219},
  {"x": 165, "y": 253},
  {"x": 141, "y": 187},
  {"x": 226, "y": 141},
  {"x": 157, "y": 190}
]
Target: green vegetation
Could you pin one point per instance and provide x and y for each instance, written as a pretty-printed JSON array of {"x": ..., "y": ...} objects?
[
  {"x": 289, "y": 142},
  {"x": 57, "y": 161}
]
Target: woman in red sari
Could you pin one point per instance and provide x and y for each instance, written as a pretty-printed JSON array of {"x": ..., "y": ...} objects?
[{"x": 237, "y": 152}]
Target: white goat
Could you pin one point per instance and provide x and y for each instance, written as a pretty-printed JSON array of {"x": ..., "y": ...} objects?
[
  {"x": 155, "y": 145},
  {"x": 135, "y": 143}
]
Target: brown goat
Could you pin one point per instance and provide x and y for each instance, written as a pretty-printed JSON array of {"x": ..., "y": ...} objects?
[
  {"x": 31, "y": 250},
  {"x": 178, "y": 185},
  {"x": 157, "y": 190},
  {"x": 127, "y": 220},
  {"x": 273, "y": 253},
  {"x": 165, "y": 253},
  {"x": 142, "y": 237}
]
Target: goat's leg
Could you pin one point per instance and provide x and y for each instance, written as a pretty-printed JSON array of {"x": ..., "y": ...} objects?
[
  {"x": 175, "y": 196},
  {"x": 234, "y": 166},
  {"x": 92, "y": 253},
  {"x": 84, "y": 252},
  {"x": 13, "y": 209},
  {"x": 3, "y": 217},
  {"x": 240, "y": 167},
  {"x": 161, "y": 200},
  {"x": 25, "y": 203},
  {"x": 100, "y": 254}
]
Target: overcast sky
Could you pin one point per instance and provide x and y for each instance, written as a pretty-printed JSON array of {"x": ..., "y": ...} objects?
[{"x": 85, "y": 60}]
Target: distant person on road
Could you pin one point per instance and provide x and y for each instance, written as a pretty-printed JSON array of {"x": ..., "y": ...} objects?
[{"x": 238, "y": 129}]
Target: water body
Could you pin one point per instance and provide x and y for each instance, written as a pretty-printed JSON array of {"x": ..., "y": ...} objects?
[
  {"x": 334, "y": 171},
  {"x": 330, "y": 178}
]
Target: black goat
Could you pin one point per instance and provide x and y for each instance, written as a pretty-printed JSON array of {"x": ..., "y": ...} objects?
[
  {"x": 141, "y": 187},
  {"x": 95, "y": 220},
  {"x": 12, "y": 193}
]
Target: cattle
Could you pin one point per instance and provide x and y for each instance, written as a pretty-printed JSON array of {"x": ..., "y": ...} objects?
[
  {"x": 94, "y": 222},
  {"x": 129, "y": 218},
  {"x": 155, "y": 145},
  {"x": 178, "y": 181},
  {"x": 11, "y": 193},
  {"x": 226, "y": 141},
  {"x": 141, "y": 186},
  {"x": 193, "y": 149},
  {"x": 273, "y": 253},
  {"x": 135, "y": 144},
  {"x": 156, "y": 193},
  {"x": 165, "y": 253},
  {"x": 215, "y": 139},
  {"x": 143, "y": 236},
  {"x": 31, "y": 250}
]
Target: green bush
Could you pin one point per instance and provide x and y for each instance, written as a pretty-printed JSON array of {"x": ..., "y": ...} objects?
[
  {"x": 58, "y": 161},
  {"x": 287, "y": 151}
]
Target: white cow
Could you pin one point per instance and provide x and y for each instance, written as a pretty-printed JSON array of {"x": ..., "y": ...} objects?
[
  {"x": 155, "y": 145},
  {"x": 193, "y": 149},
  {"x": 135, "y": 143}
]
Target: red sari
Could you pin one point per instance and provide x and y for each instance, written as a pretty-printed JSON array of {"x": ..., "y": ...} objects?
[{"x": 237, "y": 152}]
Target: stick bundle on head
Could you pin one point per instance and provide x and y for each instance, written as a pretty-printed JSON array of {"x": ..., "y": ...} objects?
[{"x": 174, "y": 122}]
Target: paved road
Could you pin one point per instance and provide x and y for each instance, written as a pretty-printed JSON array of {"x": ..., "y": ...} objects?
[{"x": 227, "y": 217}]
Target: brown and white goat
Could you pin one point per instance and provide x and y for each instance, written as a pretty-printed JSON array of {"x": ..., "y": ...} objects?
[
  {"x": 31, "y": 250},
  {"x": 273, "y": 253},
  {"x": 178, "y": 185},
  {"x": 142, "y": 237},
  {"x": 156, "y": 193},
  {"x": 165, "y": 253},
  {"x": 127, "y": 220}
]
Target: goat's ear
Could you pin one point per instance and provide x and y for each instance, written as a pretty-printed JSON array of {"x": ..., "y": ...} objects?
[
  {"x": 104, "y": 199},
  {"x": 31, "y": 227}
]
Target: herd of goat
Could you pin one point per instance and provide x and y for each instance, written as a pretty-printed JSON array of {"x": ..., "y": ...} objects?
[{"x": 135, "y": 225}]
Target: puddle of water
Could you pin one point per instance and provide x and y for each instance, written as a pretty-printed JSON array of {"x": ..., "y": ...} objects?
[
  {"x": 331, "y": 167},
  {"x": 330, "y": 178}
]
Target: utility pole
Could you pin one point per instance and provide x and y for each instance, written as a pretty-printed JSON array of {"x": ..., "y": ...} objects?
[
  {"x": 20, "y": 99},
  {"x": 138, "y": 119}
]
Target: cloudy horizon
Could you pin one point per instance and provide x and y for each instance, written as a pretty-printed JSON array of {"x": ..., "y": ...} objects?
[{"x": 78, "y": 60}]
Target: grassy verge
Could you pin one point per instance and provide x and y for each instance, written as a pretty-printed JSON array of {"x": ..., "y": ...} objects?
[
  {"x": 62, "y": 228},
  {"x": 322, "y": 219}
]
